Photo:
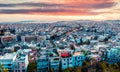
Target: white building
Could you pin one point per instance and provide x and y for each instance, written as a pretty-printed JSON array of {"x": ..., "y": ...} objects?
[
  {"x": 42, "y": 64},
  {"x": 8, "y": 61},
  {"x": 21, "y": 63},
  {"x": 66, "y": 62},
  {"x": 78, "y": 58},
  {"x": 55, "y": 63},
  {"x": 28, "y": 38},
  {"x": 95, "y": 55},
  {"x": 113, "y": 55},
  {"x": 8, "y": 39}
]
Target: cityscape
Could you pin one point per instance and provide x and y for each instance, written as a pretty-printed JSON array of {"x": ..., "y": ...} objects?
[
  {"x": 44, "y": 47},
  {"x": 60, "y": 36}
]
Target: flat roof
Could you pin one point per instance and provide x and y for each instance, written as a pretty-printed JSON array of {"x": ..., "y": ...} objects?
[
  {"x": 8, "y": 56},
  {"x": 94, "y": 55},
  {"x": 77, "y": 53}
]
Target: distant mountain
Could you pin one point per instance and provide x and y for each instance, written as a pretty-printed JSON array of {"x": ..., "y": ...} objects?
[
  {"x": 28, "y": 21},
  {"x": 112, "y": 20},
  {"x": 61, "y": 22}
]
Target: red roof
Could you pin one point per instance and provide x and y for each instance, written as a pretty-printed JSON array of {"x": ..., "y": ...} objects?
[{"x": 66, "y": 54}]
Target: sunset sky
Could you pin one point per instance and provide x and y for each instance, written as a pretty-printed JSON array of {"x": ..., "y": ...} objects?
[{"x": 57, "y": 10}]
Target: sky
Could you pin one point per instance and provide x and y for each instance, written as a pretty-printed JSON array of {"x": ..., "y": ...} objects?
[{"x": 58, "y": 10}]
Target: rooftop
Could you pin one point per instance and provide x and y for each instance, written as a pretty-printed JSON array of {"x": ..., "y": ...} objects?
[
  {"x": 8, "y": 56},
  {"x": 77, "y": 53},
  {"x": 21, "y": 57}
]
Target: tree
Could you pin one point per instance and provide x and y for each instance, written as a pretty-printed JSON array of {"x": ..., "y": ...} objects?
[
  {"x": 86, "y": 63},
  {"x": 87, "y": 42},
  {"x": 1, "y": 32},
  {"x": 106, "y": 39},
  {"x": 32, "y": 67},
  {"x": 2, "y": 69},
  {"x": 110, "y": 67},
  {"x": 69, "y": 69},
  {"x": 51, "y": 70},
  {"x": 78, "y": 69},
  {"x": 84, "y": 52},
  {"x": 72, "y": 47},
  {"x": 5, "y": 70},
  {"x": 12, "y": 31}
]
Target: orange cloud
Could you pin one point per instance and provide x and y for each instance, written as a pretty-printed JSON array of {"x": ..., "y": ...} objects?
[
  {"x": 59, "y": 7},
  {"x": 78, "y": 1}
]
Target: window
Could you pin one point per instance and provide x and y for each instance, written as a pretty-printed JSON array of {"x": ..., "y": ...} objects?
[
  {"x": 9, "y": 64},
  {"x": 9, "y": 68},
  {"x": 81, "y": 57},
  {"x": 67, "y": 59},
  {"x": 22, "y": 62},
  {"x": 23, "y": 70},
  {"x": 75, "y": 58},
  {"x": 64, "y": 63}
]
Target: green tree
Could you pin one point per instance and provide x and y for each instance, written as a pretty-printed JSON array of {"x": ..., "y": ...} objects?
[
  {"x": 78, "y": 69},
  {"x": 110, "y": 67},
  {"x": 2, "y": 69},
  {"x": 5, "y": 70},
  {"x": 69, "y": 69},
  {"x": 72, "y": 47},
  {"x": 84, "y": 52},
  {"x": 32, "y": 67},
  {"x": 51, "y": 70}
]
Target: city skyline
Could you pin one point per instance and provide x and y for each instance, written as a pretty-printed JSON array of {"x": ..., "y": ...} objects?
[{"x": 56, "y": 10}]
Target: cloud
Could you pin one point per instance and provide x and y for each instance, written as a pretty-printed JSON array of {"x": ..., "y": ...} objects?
[
  {"x": 37, "y": 10},
  {"x": 28, "y": 4},
  {"x": 60, "y": 7},
  {"x": 70, "y": 3}
]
